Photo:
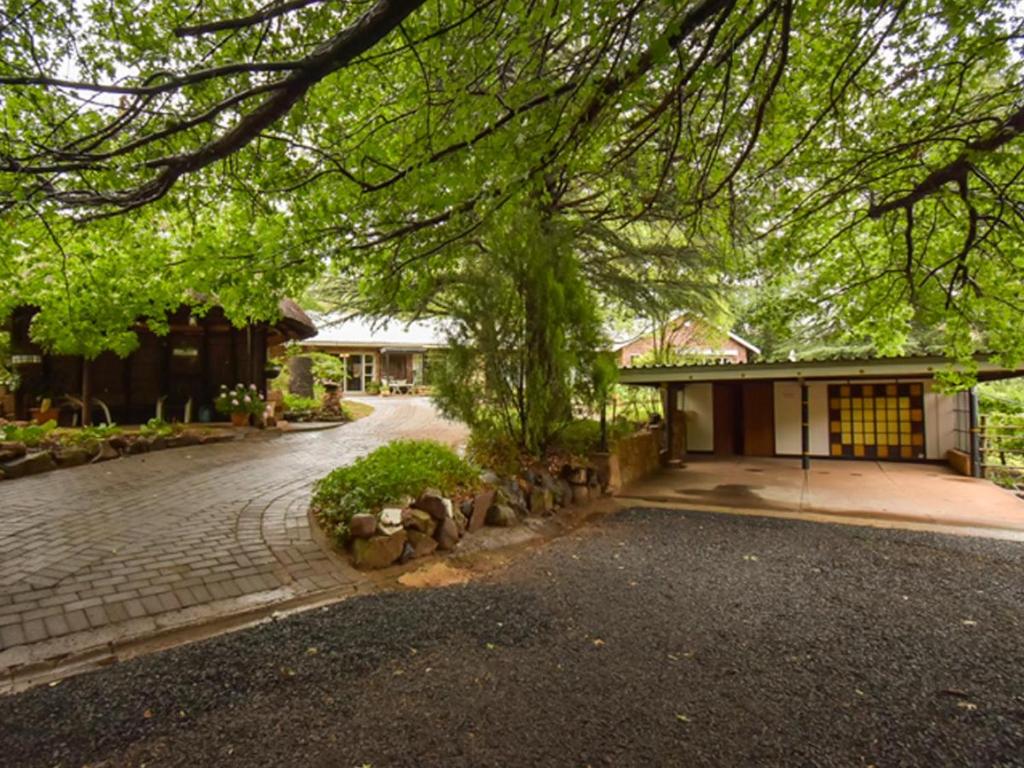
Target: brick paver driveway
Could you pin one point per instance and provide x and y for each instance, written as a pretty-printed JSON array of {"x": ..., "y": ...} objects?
[{"x": 103, "y": 552}]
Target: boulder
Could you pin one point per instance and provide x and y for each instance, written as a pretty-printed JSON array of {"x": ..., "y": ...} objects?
[
  {"x": 390, "y": 521},
  {"x": 421, "y": 543},
  {"x": 9, "y": 451},
  {"x": 502, "y": 515},
  {"x": 542, "y": 502},
  {"x": 563, "y": 492},
  {"x": 461, "y": 522},
  {"x": 378, "y": 551},
  {"x": 434, "y": 504},
  {"x": 418, "y": 520},
  {"x": 157, "y": 443},
  {"x": 575, "y": 475},
  {"x": 487, "y": 477},
  {"x": 105, "y": 452},
  {"x": 71, "y": 456},
  {"x": 118, "y": 442},
  {"x": 216, "y": 437},
  {"x": 362, "y": 526},
  {"x": 447, "y": 534},
  {"x": 580, "y": 494},
  {"x": 138, "y": 445},
  {"x": 481, "y": 503},
  {"x": 183, "y": 440},
  {"x": 30, "y": 464}
]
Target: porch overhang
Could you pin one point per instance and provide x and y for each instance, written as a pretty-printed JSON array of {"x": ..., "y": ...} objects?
[{"x": 877, "y": 368}]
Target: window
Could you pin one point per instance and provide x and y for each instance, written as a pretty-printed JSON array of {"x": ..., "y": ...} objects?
[{"x": 876, "y": 421}]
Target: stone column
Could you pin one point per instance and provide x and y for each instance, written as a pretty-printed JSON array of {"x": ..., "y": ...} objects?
[{"x": 300, "y": 372}]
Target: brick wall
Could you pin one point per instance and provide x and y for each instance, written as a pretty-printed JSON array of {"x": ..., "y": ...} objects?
[{"x": 691, "y": 337}]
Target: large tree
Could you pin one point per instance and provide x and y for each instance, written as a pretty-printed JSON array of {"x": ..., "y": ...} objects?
[{"x": 871, "y": 147}]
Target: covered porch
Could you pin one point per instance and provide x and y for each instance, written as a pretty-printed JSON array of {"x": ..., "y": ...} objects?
[{"x": 892, "y": 494}]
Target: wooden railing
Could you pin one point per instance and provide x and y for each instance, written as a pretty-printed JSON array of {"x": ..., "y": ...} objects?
[{"x": 1001, "y": 450}]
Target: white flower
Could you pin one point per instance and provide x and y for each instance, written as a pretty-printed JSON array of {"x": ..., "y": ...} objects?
[
  {"x": 248, "y": 399},
  {"x": 234, "y": 402},
  {"x": 252, "y": 387}
]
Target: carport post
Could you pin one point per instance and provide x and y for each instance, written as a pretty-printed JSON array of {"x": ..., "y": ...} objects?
[
  {"x": 974, "y": 433},
  {"x": 805, "y": 427}
]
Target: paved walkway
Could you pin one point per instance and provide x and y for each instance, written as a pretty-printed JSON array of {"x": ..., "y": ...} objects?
[
  {"x": 887, "y": 493},
  {"x": 99, "y": 553}
]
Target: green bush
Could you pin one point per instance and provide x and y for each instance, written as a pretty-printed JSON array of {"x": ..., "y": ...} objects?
[
  {"x": 31, "y": 434},
  {"x": 297, "y": 403},
  {"x": 493, "y": 448},
  {"x": 401, "y": 468},
  {"x": 91, "y": 435},
  {"x": 159, "y": 428},
  {"x": 583, "y": 436}
]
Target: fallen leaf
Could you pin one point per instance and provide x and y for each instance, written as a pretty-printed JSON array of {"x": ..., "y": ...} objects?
[
  {"x": 147, "y": 714},
  {"x": 682, "y": 718},
  {"x": 599, "y": 642},
  {"x": 969, "y": 622},
  {"x": 490, "y": 646},
  {"x": 750, "y": 557},
  {"x": 967, "y": 705},
  {"x": 311, "y": 651}
]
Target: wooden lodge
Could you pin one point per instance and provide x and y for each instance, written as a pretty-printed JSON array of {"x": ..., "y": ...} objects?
[{"x": 177, "y": 375}]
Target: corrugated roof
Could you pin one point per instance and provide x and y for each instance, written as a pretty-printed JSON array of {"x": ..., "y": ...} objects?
[
  {"x": 822, "y": 368},
  {"x": 335, "y": 329}
]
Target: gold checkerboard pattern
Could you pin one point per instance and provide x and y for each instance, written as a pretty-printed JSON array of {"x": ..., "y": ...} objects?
[{"x": 876, "y": 421}]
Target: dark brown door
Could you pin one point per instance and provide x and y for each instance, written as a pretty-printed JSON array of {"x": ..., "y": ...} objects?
[
  {"x": 758, "y": 411},
  {"x": 727, "y": 418}
]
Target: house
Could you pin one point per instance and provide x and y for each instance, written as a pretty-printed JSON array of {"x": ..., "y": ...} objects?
[
  {"x": 178, "y": 374},
  {"x": 684, "y": 339},
  {"x": 386, "y": 352},
  {"x": 878, "y": 409}
]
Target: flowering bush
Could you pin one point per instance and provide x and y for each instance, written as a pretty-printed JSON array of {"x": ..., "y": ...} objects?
[{"x": 240, "y": 399}]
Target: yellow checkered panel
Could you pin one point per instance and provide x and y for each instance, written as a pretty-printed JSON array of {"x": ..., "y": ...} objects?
[{"x": 876, "y": 421}]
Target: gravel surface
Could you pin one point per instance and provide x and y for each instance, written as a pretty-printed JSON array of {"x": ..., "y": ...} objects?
[{"x": 649, "y": 638}]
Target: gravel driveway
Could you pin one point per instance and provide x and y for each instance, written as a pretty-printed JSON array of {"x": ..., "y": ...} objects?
[{"x": 649, "y": 638}]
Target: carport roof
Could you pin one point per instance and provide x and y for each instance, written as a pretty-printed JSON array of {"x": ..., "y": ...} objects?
[{"x": 857, "y": 368}]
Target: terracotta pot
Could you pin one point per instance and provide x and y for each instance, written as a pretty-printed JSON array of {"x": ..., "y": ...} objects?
[{"x": 240, "y": 419}]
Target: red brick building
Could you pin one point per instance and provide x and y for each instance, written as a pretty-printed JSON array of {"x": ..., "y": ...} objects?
[{"x": 685, "y": 340}]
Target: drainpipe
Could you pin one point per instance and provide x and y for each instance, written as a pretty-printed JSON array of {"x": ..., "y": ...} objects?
[
  {"x": 974, "y": 432},
  {"x": 805, "y": 427}
]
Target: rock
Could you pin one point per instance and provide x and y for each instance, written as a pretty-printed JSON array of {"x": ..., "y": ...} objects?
[
  {"x": 138, "y": 445},
  {"x": 502, "y": 515},
  {"x": 418, "y": 520},
  {"x": 481, "y": 503},
  {"x": 542, "y": 502},
  {"x": 461, "y": 522},
  {"x": 408, "y": 553},
  {"x": 216, "y": 437},
  {"x": 390, "y": 521},
  {"x": 575, "y": 475},
  {"x": 9, "y": 451},
  {"x": 563, "y": 492},
  {"x": 422, "y": 544},
  {"x": 105, "y": 452},
  {"x": 447, "y": 534},
  {"x": 158, "y": 443},
  {"x": 30, "y": 464},
  {"x": 487, "y": 477},
  {"x": 433, "y": 503},
  {"x": 183, "y": 440},
  {"x": 378, "y": 551},
  {"x": 466, "y": 508},
  {"x": 118, "y": 442},
  {"x": 362, "y": 526},
  {"x": 580, "y": 494},
  {"x": 71, "y": 456}
]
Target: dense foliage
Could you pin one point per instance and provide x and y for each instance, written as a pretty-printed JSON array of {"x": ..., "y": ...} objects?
[
  {"x": 861, "y": 160},
  {"x": 403, "y": 468}
]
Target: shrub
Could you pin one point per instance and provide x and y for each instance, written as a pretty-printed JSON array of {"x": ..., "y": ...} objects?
[
  {"x": 30, "y": 434},
  {"x": 92, "y": 435},
  {"x": 240, "y": 399},
  {"x": 159, "y": 428},
  {"x": 297, "y": 403},
  {"x": 583, "y": 436},
  {"x": 493, "y": 448},
  {"x": 402, "y": 468}
]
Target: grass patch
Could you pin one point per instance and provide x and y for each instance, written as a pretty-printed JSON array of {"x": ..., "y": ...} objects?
[
  {"x": 402, "y": 468},
  {"x": 356, "y": 409}
]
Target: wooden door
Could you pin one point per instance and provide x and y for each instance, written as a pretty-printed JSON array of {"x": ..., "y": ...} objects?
[
  {"x": 758, "y": 409},
  {"x": 728, "y": 438}
]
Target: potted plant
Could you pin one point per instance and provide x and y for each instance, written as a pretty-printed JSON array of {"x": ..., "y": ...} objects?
[{"x": 241, "y": 402}]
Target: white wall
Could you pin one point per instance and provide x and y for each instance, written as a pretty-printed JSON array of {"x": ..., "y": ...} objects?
[
  {"x": 939, "y": 423},
  {"x": 787, "y": 419},
  {"x": 817, "y": 392},
  {"x": 700, "y": 417}
]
